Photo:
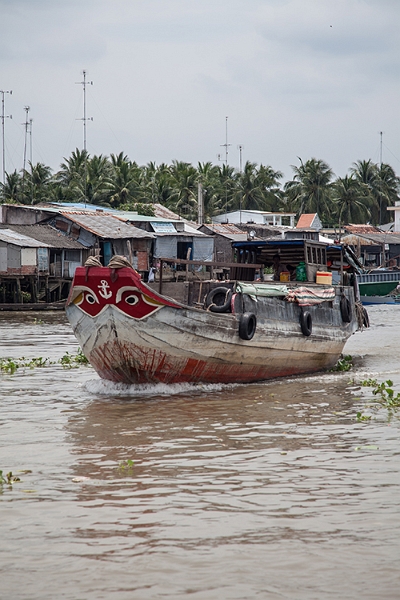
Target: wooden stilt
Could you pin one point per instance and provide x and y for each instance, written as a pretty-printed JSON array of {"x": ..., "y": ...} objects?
[{"x": 19, "y": 294}]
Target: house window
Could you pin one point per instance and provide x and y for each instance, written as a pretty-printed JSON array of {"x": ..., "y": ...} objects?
[{"x": 73, "y": 255}]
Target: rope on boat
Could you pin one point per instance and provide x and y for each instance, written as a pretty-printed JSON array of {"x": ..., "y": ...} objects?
[
  {"x": 362, "y": 316},
  {"x": 118, "y": 262},
  {"x": 93, "y": 261}
]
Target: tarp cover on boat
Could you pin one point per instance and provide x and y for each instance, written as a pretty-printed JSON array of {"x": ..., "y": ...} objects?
[
  {"x": 261, "y": 289},
  {"x": 310, "y": 296}
]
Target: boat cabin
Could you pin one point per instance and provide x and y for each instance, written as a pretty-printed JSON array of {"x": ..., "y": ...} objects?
[{"x": 319, "y": 262}]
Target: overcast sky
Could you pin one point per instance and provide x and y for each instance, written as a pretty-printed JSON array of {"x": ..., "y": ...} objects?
[{"x": 296, "y": 78}]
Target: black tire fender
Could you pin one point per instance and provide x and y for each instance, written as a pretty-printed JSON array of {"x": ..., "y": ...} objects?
[
  {"x": 247, "y": 325},
  {"x": 306, "y": 323},
  {"x": 345, "y": 309},
  {"x": 215, "y": 295}
]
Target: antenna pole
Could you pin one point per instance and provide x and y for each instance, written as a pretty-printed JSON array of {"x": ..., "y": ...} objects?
[
  {"x": 226, "y": 145},
  {"x": 30, "y": 139},
  {"x": 84, "y": 83},
  {"x": 26, "y": 124},
  {"x": 240, "y": 147},
  {"x": 381, "y": 134},
  {"x": 3, "y": 117}
]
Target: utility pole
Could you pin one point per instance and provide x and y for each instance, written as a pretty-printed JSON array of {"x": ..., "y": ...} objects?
[
  {"x": 3, "y": 117},
  {"x": 84, "y": 83}
]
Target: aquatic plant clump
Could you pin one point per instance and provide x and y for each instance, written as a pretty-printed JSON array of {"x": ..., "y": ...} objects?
[
  {"x": 385, "y": 395},
  {"x": 345, "y": 363},
  {"x": 10, "y": 365}
]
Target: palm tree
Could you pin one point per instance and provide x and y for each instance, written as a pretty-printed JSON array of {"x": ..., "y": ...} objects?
[
  {"x": 124, "y": 180},
  {"x": 208, "y": 177},
  {"x": 72, "y": 176},
  {"x": 351, "y": 198},
  {"x": 73, "y": 168},
  {"x": 388, "y": 190},
  {"x": 382, "y": 184},
  {"x": 269, "y": 181},
  {"x": 183, "y": 197},
  {"x": 10, "y": 191},
  {"x": 156, "y": 185},
  {"x": 249, "y": 190},
  {"x": 36, "y": 184},
  {"x": 310, "y": 189},
  {"x": 92, "y": 184},
  {"x": 226, "y": 188}
]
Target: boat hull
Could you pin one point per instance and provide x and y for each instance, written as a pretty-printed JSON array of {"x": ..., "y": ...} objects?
[
  {"x": 376, "y": 284},
  {"x": 176, "y": 344}
]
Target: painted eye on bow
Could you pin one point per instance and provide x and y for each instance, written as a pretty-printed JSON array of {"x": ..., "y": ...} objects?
[
  {"x": 131, "y": 300},
  {"x": 91, "y": 298}
]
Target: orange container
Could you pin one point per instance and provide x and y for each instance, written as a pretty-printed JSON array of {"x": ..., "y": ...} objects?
[
  {"x": 324, "y": 277},
  {"x": 284, "y": 276}
]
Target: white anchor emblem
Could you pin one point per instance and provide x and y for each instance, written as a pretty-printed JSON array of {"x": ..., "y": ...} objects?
[{"x": 103, "y": 289}]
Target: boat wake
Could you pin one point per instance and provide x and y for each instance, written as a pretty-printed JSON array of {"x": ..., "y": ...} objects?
[{"x": 102, "y": 387}]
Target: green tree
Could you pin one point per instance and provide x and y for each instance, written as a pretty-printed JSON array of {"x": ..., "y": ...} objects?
[
  {"x": 124, "y": 180},
  {"x": 183, "y": 198},
  {"x": 208, "y": 177},
  {"x": 10, "y": 191},
  {"x": 99, "y": 183},
  {"x": 249, "y": 189},
  {"x": 351, "y": 199},
  {"x": 36, "y": 184},
  {"x": 382, "y": 185},
  {"x": 310, "y": 189}
]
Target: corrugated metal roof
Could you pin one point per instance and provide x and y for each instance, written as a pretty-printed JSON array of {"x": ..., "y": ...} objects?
[
  {"x": 133, "y": 217},
  {"x": 106, "y": 225},
  {"x": 227, "y": 230},
  {"x": 353, "y": 240},
  {"x": 18, "y": 239},
  {"x": 375, "y": 238},
  {"x": 162, "y": 211},
  {"x": 79, "y": 206},
  {"x": 359, "y": 229},
  {"x": 223, "y": 228},
  {"x": 48, "y": 235},
  {"x": 383, "y": 238}
]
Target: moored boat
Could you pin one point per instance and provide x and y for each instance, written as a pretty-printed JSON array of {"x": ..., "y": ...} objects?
[
  {"x": 230, "y": 331},
  {"x": 376, "y": 286}
]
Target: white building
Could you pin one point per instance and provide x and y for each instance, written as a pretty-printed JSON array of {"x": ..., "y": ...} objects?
[
  {"x": 396, "y": 210},
  {"x": 259, "y": 217}
]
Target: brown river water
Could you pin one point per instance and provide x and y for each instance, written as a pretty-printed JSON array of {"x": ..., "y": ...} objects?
[{"x": 269, "y": 491}]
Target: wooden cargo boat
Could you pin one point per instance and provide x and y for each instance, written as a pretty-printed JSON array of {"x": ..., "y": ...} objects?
[{"x": 212, "y": 331}]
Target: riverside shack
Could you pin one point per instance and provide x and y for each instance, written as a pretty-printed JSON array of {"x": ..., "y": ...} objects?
[
  {"x": 22, "y": 260},
  {"x": 106, "y": 235}
]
